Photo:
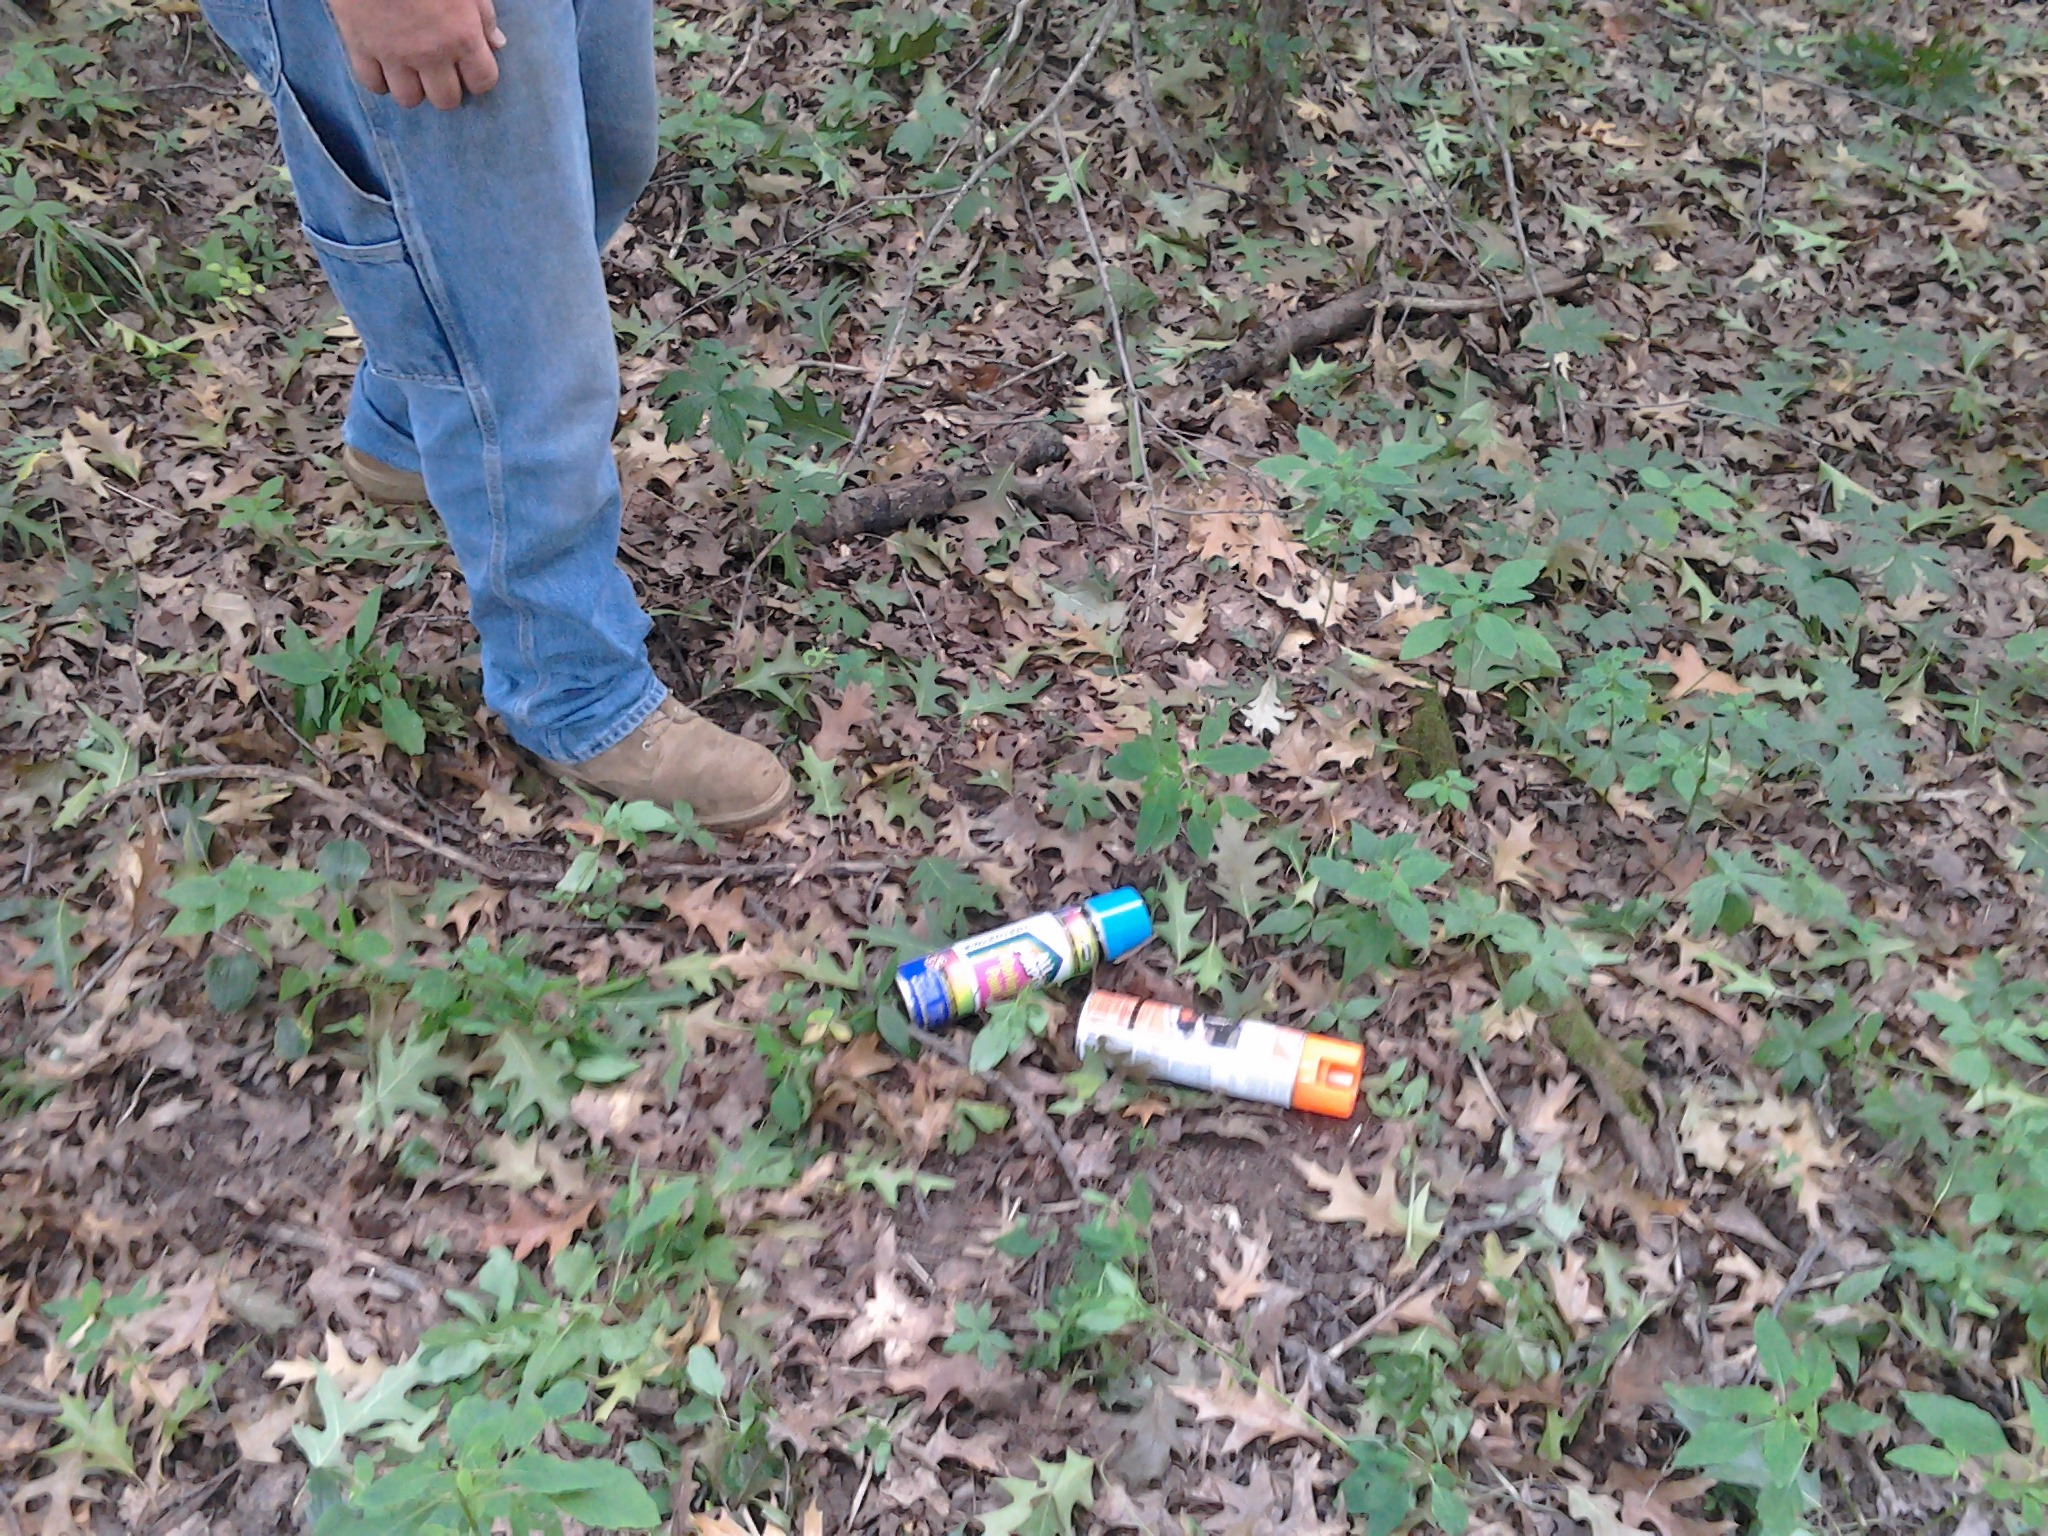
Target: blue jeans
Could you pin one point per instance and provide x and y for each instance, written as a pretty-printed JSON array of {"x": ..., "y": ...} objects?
[{"x": 465, "y": 247}]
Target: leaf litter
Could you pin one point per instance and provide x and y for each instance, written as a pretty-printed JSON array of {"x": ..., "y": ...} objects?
[{"x": 1590, "y": 652}]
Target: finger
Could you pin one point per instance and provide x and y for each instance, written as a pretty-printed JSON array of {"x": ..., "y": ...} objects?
[
  {"x": 487, "y": 13},
  {"x": 479, "y": 71},
  {"x": 443, "y": 85},
  {"x": 369, "y": 73},
  {"x": 406, "y": 88}
]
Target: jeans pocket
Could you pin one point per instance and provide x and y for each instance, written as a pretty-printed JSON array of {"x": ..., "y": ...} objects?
[{"x": 381, "y": 290}]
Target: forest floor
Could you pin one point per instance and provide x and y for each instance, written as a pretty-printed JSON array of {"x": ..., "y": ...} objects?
[{"x": 1618, "y": 705}]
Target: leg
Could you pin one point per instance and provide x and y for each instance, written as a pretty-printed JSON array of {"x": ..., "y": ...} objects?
[
  {"x": 461, "y": 245},
  {"x": 621, "y": 109}
]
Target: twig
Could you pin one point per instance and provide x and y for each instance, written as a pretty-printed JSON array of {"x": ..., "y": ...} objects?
[
  {"x": 1714, "y": 1008},
  {"x": 1027, "y": 1107},
  {"x": 1507, "y": 165},
  {"x": 1142, "y": 72},
  {"x": 28, "y": 1407},
  {"x": 1266, "y": 347},
  {"x": 1123, "y": 350},
  {"x": 100, "y": 974},
  {"x": 1002, "y": 60},
  {"x": 312, "y": 1240},
  {"x": 307, "y": 784},
  {"x": 924, "y": 245},
  {"x": 193, "y": 1498},
  {"x": 733, "y": 869},
  {"x": 746, "y": 54},
  {"x": 1452, "y": 1240},
  {"x": 1797, "y": 1283}
]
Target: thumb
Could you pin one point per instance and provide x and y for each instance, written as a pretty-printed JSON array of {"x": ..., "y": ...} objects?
[{"x": 487, "y": 13}]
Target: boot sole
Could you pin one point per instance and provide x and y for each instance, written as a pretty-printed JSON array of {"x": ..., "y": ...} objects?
[
  {"x": 383, "y": 483},
  {"x": 743, "y": 821},
  {"x": 738, "y": 821}
]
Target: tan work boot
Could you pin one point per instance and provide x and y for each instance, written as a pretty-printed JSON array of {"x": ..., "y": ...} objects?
[
  {"x": 385, "y": 484},
  {"x": 676, "y": 754}
]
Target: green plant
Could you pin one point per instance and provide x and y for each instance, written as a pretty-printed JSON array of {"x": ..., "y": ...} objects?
[
  {"x": 1412, "y": 1423},
  {"x": 1758, "y": 1439},
  {"x": 88, "y": 1320},
  {"x": 974, "y": 1332},
  {"x": 276, "y": 900},
  {"x": 1346, "y": 496},
  {"x": 1044, "y": 1505},
  {"x": 483, "y": 1472},
  {"x": 1938, "y": 76},
  {"x": 1450, "y": 789},
  {"x": 74, "y": 270},
  {"x": 1488, "y": 645},
  {"x": 50, "y": 79},
  {"x": 1989, "y": 1153},
  {"x": 1101, "y": 1296},
  {"x": 262, "y": 511},
  {"x": 235, "y": 261},
  {"x": 1173, "y": 792},
  {"x": 337, "y": 687},
  {"x": 1614, "y": 732},
  {"x": 1380, "y": 915}
]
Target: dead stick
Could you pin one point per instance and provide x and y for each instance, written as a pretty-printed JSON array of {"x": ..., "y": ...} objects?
[
  {"x": 1267, "y": 347},
  {"x": 897, "y": 504},
  {"x": 1027, "y": 1107},
  {"x": 734, "y": 869}
]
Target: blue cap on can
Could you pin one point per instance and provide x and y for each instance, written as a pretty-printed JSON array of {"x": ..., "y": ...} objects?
[
  {"x": 923, "y": 991},
  {"x": 1123, "y": 919}
]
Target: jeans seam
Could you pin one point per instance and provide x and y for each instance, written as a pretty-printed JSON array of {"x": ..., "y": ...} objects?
[{"x": 479, "y": 396}]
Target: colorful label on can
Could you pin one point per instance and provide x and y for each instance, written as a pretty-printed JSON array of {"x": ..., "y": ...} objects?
[
  {"x": 974, "y": 974},
  {"x": 1246, "y": 1058}
]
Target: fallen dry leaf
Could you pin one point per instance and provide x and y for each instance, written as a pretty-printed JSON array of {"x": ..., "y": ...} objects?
[{"x": 1255, "y": 1413}]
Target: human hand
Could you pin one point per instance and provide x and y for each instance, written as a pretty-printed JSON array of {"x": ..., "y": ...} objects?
[{"x": 421, "y": 50}]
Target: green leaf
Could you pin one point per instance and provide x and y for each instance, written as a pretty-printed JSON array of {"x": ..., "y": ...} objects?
[
  {"x": 1426, "y": 638},
  {"x": 231, "y": 981},
  {"x": 702, "y": 1371},
  {"x": 397, "y": 1084},
  {"x": 1928, "y": 1459},
  {"x": 711, "y": 388},
  {"x": 1853, "y": 1420},
  {"x": 1576, "y": 329},
  {"x": 948, "y": 892},
  {"x": 1962, "y": 1427},
  {"x": 402, "y": 726},
  {"x": 601, "y": 1494},
  {"x": 1774, "y": 1351},
  {"x": 1011, "y": 1026},
  {"x": 95, "y": 1434},
  {"x": 532, "y": 1076},
  {"x": 821, "y": 784},
  {"x": 1231, "y": 760},
  {"x": 1378, "y": 1487},
  {"x": 1043, "y": 1506}
]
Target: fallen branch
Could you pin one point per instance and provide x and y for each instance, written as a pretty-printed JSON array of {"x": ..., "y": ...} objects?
[
  {"x": 732, "y": 869},
  {"x": 897, "y": 504},
  {"x": 1267, "y": 347}
]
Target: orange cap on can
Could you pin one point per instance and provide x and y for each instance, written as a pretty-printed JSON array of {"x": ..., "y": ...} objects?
[{"x": 1326, "y": 1082}]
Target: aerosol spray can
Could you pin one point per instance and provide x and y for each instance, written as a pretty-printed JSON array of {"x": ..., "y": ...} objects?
[
  {"x": 1039, "y": 951},
  {"x": 1246, "y": 1058}
]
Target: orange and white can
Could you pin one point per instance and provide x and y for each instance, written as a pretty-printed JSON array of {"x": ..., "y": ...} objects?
[{"x": 1245, "y": 1058}]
